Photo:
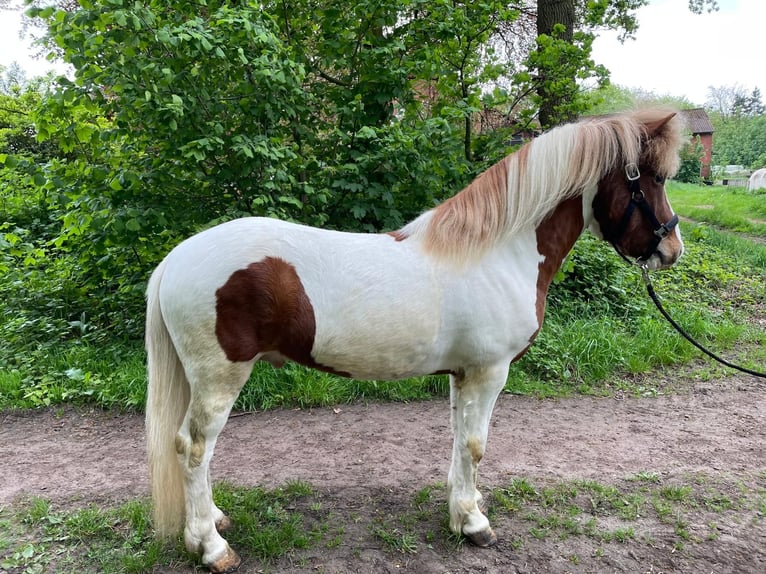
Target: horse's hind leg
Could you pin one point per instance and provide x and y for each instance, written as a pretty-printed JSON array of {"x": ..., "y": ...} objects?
[
  {"x": 213, "y": 392},
  {"x": 222, "y": 522},
  {"x": 473, "y": 397}
]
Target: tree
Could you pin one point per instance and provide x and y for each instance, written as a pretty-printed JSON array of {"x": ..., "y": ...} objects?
[
  {"x": 614, "y": 98},
  {"x": 724, "y": 100},
  {"x": 739, "y": 140},
  {"x": 555, "y": 29},
  {"x": 739, "y": 119},
  {"x": 562, "y": 61},
  {"x": 349, "y": 116},
  {"x": 749, "y": 105}
]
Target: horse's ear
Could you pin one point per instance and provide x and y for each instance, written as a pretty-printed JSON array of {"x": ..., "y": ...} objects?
[{"x": 655, "y": 127}]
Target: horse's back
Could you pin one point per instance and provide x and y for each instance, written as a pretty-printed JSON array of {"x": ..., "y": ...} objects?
[{"x": 359, "y": 304}]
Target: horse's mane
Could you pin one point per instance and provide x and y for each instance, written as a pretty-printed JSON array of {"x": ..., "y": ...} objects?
[{"x": 519, "y": 192}]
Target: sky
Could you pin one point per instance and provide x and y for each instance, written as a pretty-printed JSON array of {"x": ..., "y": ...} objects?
[
  {"x": 675, "y": 52},
  {"x": 681, "y": 54},
  {"x": 14, "y": 49}
]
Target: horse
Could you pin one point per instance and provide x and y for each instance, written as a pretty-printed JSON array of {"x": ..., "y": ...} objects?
[{"x": 460, "y": 290}]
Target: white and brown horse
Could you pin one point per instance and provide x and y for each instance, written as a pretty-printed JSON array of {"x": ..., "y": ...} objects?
[{"x": 460, "y": 290}]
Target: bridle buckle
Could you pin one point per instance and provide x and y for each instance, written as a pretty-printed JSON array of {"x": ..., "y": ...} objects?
[{"x": 632, "y": 172}]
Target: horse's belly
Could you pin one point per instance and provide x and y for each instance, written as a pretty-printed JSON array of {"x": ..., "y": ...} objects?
[{"x": 383, "y": 335}]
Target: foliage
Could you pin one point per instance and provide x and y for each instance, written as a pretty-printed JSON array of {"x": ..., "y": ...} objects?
[
  {"x": 180, "y": 116},
  {"x": 561, "y": 63},
  {"x": 613, "y": 98},
  {"x": 43, "y": 538},
  {"x": 739, "y": 119},
  {"x": 739, "y": 140},
  {"x": 734, "y": 101},
  {"x": 594, "y": 330},
  {"x": 286, "y": 528},
  {"x": 690, "y": 170}
]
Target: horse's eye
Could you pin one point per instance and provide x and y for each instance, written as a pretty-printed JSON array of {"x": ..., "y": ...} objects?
[{"x": 659, "y": 179}]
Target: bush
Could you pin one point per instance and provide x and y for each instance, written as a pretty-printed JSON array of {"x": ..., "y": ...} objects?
[{"x": 691, "y": 163}]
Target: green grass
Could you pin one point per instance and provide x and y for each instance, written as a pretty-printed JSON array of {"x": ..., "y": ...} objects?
[
  {"x": 610, "y": 512},
  {"x": 730, "y": 208},
  {"x": 285, "y": 525},
  {"x": 36, "y": 537}
]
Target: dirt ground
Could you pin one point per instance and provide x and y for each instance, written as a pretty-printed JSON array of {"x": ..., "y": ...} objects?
[{"x": 370, "y": 460}]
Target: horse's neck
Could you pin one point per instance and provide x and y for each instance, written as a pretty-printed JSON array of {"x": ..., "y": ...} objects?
[{"x": 556, "y": 236}]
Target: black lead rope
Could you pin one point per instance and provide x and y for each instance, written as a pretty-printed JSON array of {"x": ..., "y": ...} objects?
[
  {"x": 653, "y": 295},
  {"x": 660, "y": 230}
]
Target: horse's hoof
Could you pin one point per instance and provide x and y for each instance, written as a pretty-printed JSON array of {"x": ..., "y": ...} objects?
[
  {"x": 224, "y": 524},
  {"x": 229, "y": 562},
  {"x": 483, "y": 538}
]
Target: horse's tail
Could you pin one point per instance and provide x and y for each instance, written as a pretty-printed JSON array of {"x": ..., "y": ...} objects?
[{"x": 166, "y": 404}]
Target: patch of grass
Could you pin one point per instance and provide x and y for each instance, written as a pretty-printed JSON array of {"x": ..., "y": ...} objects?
[
  {"x": 645, "y": 477},
  {"x": 676, "y": 493},
  {"x": 266, "y": 525},
  {"x": 609, "y": 513},
  {"x": 396, "y": 540},
  {"x": 76, "y": 372},
  {"x": 294, "y": 385},
  {"x": 515, "y": 496},
  {"x": 121, "y": 540},
  {"x": 734, "y": 209},
  {"x": 277, "y": 526}
]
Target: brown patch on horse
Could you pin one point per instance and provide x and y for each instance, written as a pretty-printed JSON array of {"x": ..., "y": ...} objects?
[
  {"x": 474, "y": 447},
  {"x": 555, "y": 237},
  {"x": 472, "y": 219},
  {"x": 264, "y": 308}
]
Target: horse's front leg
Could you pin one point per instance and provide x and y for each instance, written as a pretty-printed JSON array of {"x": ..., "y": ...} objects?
[{"x": 472, "y": 396}]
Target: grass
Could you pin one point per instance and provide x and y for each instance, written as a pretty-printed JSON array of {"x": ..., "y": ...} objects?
[
  {"x": 36, "y": 537},
  {"x": 729, "y": 208},
  {"x": 612, "y": 512},
  {"x": 288, "y": 524}
]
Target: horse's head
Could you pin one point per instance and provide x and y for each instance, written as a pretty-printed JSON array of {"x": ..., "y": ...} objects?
[{"x": 631, "y": 209}]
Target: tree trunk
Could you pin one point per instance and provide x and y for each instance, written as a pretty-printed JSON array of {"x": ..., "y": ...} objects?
[{"x": 550, "y": 13}]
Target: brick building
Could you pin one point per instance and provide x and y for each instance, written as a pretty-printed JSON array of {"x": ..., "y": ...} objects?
[{"x": 698, "y": 123}]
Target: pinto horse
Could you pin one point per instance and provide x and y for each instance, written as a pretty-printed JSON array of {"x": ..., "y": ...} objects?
[{"x": 460, "y": 290}]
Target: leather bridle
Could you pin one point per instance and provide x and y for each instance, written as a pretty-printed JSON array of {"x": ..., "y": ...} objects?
[{"x": 638, "y": 200}]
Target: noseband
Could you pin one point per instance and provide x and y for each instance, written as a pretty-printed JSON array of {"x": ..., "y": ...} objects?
[{"x": 638, "y": 200}]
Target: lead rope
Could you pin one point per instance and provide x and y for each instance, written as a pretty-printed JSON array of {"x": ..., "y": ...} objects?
[{"x": 653, "y": 295}]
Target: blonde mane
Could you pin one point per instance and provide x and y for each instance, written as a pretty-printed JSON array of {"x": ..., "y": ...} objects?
[{"x": 517, "y": 193}]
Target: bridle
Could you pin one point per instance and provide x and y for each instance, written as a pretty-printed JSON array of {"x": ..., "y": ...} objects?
[
  {"x": 661, "y": 231},
  {"x": 638, "y": 200}
]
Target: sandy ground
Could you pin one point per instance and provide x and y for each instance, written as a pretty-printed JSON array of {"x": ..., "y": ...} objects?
[{"x": 354, "y": 453}]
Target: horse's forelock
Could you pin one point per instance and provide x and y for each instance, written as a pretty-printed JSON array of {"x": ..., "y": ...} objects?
[{"x": 660, "y": 149}]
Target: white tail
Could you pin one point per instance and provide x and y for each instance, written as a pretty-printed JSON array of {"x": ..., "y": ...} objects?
[{"x": 166, "y": 404}]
